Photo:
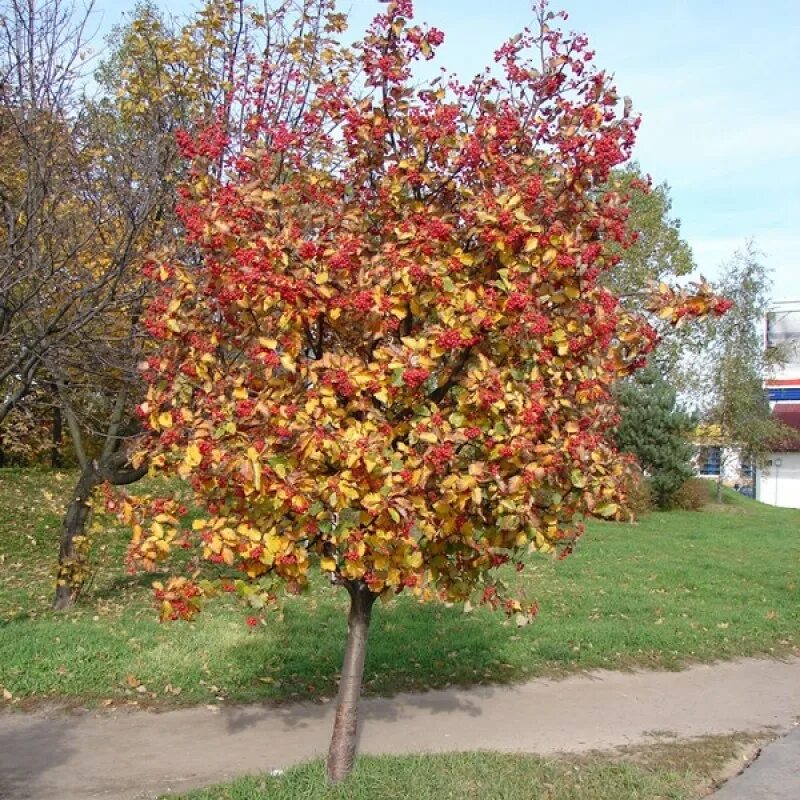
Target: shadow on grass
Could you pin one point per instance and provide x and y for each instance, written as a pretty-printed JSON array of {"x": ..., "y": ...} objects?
[
  {"x": 113, "y": 587},
  {"x": 412, "y": 647}
]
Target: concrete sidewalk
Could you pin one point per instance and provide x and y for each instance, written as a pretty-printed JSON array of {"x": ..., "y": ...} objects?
[
  {"x": 130, "y": 755},
  {"x": 774, "y": 775}
]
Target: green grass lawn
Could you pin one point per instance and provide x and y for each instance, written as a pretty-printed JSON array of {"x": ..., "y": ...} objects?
[
  {"x": 675, "y": 588},
  {"x": 674, "y": 771}
]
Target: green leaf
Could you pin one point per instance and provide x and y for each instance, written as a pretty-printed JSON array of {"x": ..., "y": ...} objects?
[
  {"x": 578, "y": 478},
  {"x": 508, "y": 522}
]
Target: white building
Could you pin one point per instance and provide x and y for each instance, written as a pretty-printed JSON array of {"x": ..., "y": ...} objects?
[{"x": 778, "y": 481}]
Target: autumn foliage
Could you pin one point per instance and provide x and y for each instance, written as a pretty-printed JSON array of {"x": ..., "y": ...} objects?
[{"x": 390, "y": 355}]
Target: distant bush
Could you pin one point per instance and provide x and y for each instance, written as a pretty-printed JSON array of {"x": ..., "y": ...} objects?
[
  {"x": 693, "y": 495},
  {"x": 639, "y": 499}
]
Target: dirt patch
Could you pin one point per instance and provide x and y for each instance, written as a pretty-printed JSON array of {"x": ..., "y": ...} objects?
[{"x": 716, "y": 759}]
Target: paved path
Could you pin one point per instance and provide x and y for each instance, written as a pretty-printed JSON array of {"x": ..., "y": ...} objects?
[
  {"x": 774, "y": 775},
  {"x": 127, "y": 755}
]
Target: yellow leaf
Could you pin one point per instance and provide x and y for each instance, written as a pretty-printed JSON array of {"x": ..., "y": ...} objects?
[
  {"x": 372, "y": 501},
  {"x": 252, "y": 454},
  {"x": 193, "y": 455},
  {"x": 165, "y": 419},
  {"x": 607, "y": 509},
  {"x": 328, "y": 563},
  {"x": 466, "y": 259}
]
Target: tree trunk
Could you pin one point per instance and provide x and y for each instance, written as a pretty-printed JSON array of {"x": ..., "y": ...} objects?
[
  {"x": 114, "y": 470},
  {"x": 345, "y": 727},
  {"x": 74, "y": 525}
]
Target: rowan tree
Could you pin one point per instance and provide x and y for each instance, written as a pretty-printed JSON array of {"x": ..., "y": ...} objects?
[{"x": 390, "y": 356}]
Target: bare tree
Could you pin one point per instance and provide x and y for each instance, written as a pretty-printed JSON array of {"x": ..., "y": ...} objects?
[{"x": 159, "y": 78}]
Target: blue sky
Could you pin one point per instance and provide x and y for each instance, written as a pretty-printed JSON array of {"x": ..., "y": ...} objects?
[{"x": 716, "y": 84}]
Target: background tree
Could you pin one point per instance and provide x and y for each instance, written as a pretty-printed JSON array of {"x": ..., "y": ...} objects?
[
  {"x": 737, "y": 361},
  {"x": 58, "y": 273},
  {"x": 657, "y": 254},
  {"x": 26, "y": 436},
  {"x": 129, "y": 174},
  {"x": 391, "y": 356},
  {"x": 161, "y": 77},
  {"x": 656, "y": 431}
]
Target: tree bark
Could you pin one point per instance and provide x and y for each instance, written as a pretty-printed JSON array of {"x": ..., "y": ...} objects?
[
  {"x": 74, "y": 525},
  {"x": 115, "y": 470},
  {"x": 345, "y": 727}
]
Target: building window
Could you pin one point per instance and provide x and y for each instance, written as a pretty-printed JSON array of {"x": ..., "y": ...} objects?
[{"x": 710, "y": 460}]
